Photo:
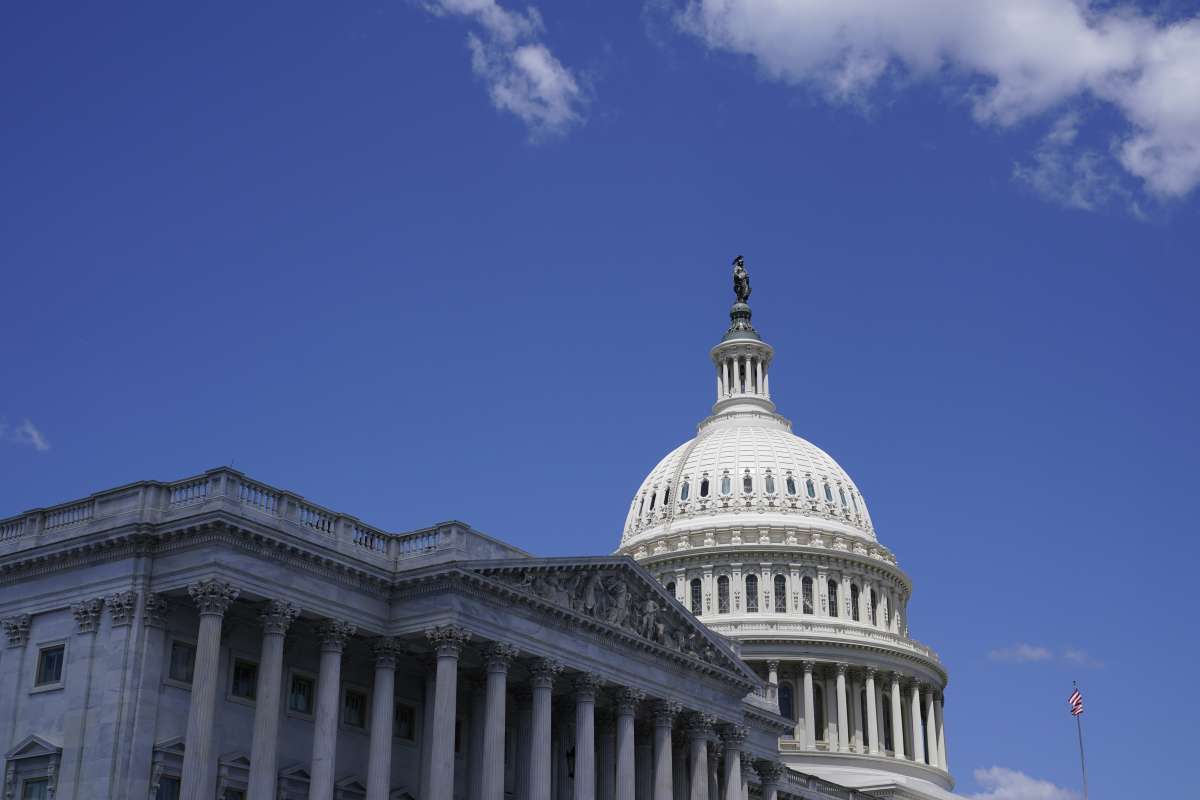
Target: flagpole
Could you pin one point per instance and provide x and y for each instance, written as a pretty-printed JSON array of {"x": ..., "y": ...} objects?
[{"x": 1082, "y": 765}]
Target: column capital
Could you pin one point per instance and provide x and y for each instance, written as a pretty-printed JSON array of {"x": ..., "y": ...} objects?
[
  {"x": 665, "y": 712},
  {"x": 700, "y": 725},
  {"x": 155, "y": 608},
  {"x": 277, "y": 615},
  {"x": 895, "y": 677},
  {"x": 586, "y": 685},
  {"x": 87, "y": 614},
  {"x": 808, "y": 666},
  {"x": 841, "y": 668},
  {"x": 448, "y": 640},
  {"x": 870, "y": 673},
  {"x": 213, "y": 596},
  {"x": 734, "y": 736},
  {"x": 627, "y": 699},
  {"x": 940, "y": 697},
  {"x": 770, "y": 772},
  {"x": 386, "y": 650},
  {"x": 543, "y": 671},
  {"x": 773, "y": 663},
  {"x": 122, "y": 606},
  {"x": 498, "y": 656},
  {"x": 16, "y": 628},
  {"x": 747, "y": 763},
  {"x": 334, "y": 633}
]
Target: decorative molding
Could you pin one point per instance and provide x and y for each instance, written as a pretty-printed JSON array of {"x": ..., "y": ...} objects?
[
  {"x": 87, "y": 614},
  {"x": 155, "y": 608},
  {"x": 333, "y": 634},
  {"x": 586, "y": 686},
  {"x": 16, "y": 628},
  {"x": 122, "y": 606},
  {"x": 498, "y": 656},
  {"x": 386, "y": 650},
  {"x": 733, "y": 736},
  {"x": 543, "y": 671},
  {"x": 277, "y": 616},
  {"x": 448, "y": 640},
  {"x": 664, "y": 712},
  {"x": 212, "y": 596},
  {"x": 700, "y": 725},
  {"x": 627, "y": 699}
]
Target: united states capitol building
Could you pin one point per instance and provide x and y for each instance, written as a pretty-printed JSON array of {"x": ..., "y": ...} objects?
[{"x": 219, "y": 637}]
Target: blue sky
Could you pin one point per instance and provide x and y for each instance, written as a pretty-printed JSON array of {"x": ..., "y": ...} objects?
[{"x": 458, "y": 259}]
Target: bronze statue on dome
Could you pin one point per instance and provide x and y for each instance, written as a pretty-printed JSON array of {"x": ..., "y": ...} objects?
[{"x": 741, "y": 280}]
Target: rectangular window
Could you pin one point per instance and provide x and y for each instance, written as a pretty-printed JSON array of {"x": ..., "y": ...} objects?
[
  {"x": 354, "y": 709},
  {"x": 243, "y": 683},
  {"x": 300, "y": 695},
  {"x": 37, "y": 789},
  {"x": 404, "y": 723},
  {"x": 50, "y": 665},
  {"x": 234, "y": 794},
  {"x": 183, "y": 661},
  {"x": 168, "y": 789}
]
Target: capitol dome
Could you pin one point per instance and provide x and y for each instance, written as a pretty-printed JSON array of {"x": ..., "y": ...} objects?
[{"x": 768, "y": 541}]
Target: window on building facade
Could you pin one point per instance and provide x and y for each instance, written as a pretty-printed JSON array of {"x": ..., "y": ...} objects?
[
  {"x": 35, "y": 789},
  {"x": 810, "y": 488},
  {"x": 354, "y": 708},
  {"x": 828, "y": 493},
  {"x": 842, "y": 495},
  {"x": 653, "y": 495},
  {"x": 704, "y": 488},
  {"x": 818, "y": 711},
  {"x": 769, "y": 484},
  {"x": 183, "y": 661},
  {"x": 787, "y": 706},
  {"x": 790, "y": 485},
  {"x": 243, "y": 681},
  {"x": 642, "y": 506},
  {"x": 671, "y": 588},
  {"x": 806, "y": 588},
  {"x": 404, "y": 722},
  {"x": 871, "y": 608},
  {"x": 832, "y": 588},
  {"x": 723, "y": 594},
  {"x": 747, "y": 484},
  {"x": 301, "y": 694},
  {"x": 853, "y": 501},
  {"x": 854, "y": 595},
  {"x": 233, "y": 794},
  {"x": 752, "y": 593},
  {"x": 780, "y": 594},
  {"x": 168, "y": 788},
  {"x": 697, "y": 596},
  {"x": 667, "y": 495},
  {"x": 50, "y": 665},
  {"x": 726, "y": 486},
  {"x": 685, "y": 490}
]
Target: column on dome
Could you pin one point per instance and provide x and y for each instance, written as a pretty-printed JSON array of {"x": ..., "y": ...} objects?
[
  {"x": 383, "y": 709},
  {"x": 333, "y": 635},
  {"x": 758, "y": 376},
  {"x": 447, "y": 641},
  {"x": 276, "y": 617},
  {"x": 497, "y": 659},
  {"x": 872, "y": 713},
  {"x": 938, "y": 711},
  {"x": 199, "y": 780},
  {"x": 821, "y": 590},
  {"x": 915, "y": 721},
  {"x": 627, "y": 700},
  {"x": 857, "y": 734},
  {"x": 543, "y": 672},
  {"x": 699, "y": 731},
  {"x": 585, "y": 736},
  {"x": 843, "y": 739},
  {"x": 931, "y": 748},
  {"x": 810, "y": 708},
  {"x": 897, "y": 717},
  {"x": 665, "y": 712},
  {"x": 845, "y": 599}
]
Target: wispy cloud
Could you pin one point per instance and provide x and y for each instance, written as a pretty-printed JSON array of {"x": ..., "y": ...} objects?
[
  {"x": 24, "y": 433},
  {"x": 1001, "y": 783},
  {"x": 1072, "y": 176},
  {"x": 523, "y": 77},
  {"x": 1023, "y": 653},
  {"x": 1009, "y": 61}
]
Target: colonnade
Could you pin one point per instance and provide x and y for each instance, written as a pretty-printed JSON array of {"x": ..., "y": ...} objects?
[
  {"x": 742, "y": 374},
  {"x": 864, "y": 710},
  {"x": 615, "y": 758}
]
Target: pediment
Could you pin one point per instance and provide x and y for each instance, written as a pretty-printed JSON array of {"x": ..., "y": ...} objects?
[
  {"x": 172, "y": 745},
  {"x": 351, "y": 786},
  {"x": 33, "y": 746},
  {"x": 400, "y": 794},
  {"x": 237, "y": 759},
  {"x": 296, "y": 772},
  {"x": 619, "y": 593}
]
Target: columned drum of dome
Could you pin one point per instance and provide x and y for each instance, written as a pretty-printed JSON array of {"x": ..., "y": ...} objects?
[{"x": 769, "y": 541}]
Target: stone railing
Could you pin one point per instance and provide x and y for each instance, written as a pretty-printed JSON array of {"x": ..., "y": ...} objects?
[
  {"x": 827, "y": 628},
  {"x": 232, "y": 492}
]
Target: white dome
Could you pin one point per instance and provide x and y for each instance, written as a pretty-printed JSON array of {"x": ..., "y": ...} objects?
[{"x": 792, "y": 482}]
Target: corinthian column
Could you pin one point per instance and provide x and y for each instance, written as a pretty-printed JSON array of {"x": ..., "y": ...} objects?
[
  {"x": 771, "y": 775},
  {"x": 334, "y": 634},
  {"x": 915, "y": 719},
  {"x": 498, "y": 658},
  {"x": 843, "y": 718},
  {"x": 447, "y": 642},
  {"x": 810, "y": 711},
  {"x": 664, "y": 718},
  {"x": 383, "y": 709},
  {"x": 543, "y": 672},
  {"x": 931, "y": 745},
  {"x": 734, "y": 737},
  {"x": 897, "y": 718},
  {"x": 627, "y": 701},
  {"x": 199, "y": 781},
  {"x": 943, "y": 761},
  {"x": 699, "y": 731},
  {"x": 872, "y": 719},
  {"x": 585, "y": 736},
  {"x": 276, "y": 618}
]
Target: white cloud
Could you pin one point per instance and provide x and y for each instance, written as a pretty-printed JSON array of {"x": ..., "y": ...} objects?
[
  {"x": 1000, "y": 783},
  {"x": 1073, "y": 655},
  {"x": 523, "y": 76},
  {"x": 1071, "y": 176},
  {"x": 1021, "y": 654},
  {"x": 1017, "y": 58},
  {"x": 24, "y": 433}
]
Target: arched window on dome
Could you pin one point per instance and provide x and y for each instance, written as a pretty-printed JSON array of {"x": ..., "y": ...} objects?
[
  {"x": 685, "y": 490},
  {"x": 854, "y": 595},
  {"x": 871, "y": 614},
  {"x": 818, "y": 711},
  {"x": 791, "y": 485},
  {"x": 642, "y": 506},
  {"x": 726, "y": 487},
  {"x": 806, "y": 588},
  {"x": 704, "y": 488},
  {"x": 723, "y": 594},
  {"x": 752, "y": 593},
  {"x": 842, "y": 494},
  {"x": 667, "y": 496},
  {"x": 671, "y": 588},
  {"x": 887, "y": 614},
  {"x": 653, "y": 495},
  {"x": 832, "y": 588},
  {"x": 787, "y": 706},
  {"x": 810, "y": 487},
  {"x": 747, "y": 483},
  {"x": 696, "y": 598},
  {"x": 853, "y": 501},
  {"x": 888, "y": 744},
  {"x": 780, "y": 594},
  {"x": 828, "y": 493},
  {"x": 769, "y": 483}
]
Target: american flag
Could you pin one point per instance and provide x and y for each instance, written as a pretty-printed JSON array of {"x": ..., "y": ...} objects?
[{"x": 1076, "y": 702}]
